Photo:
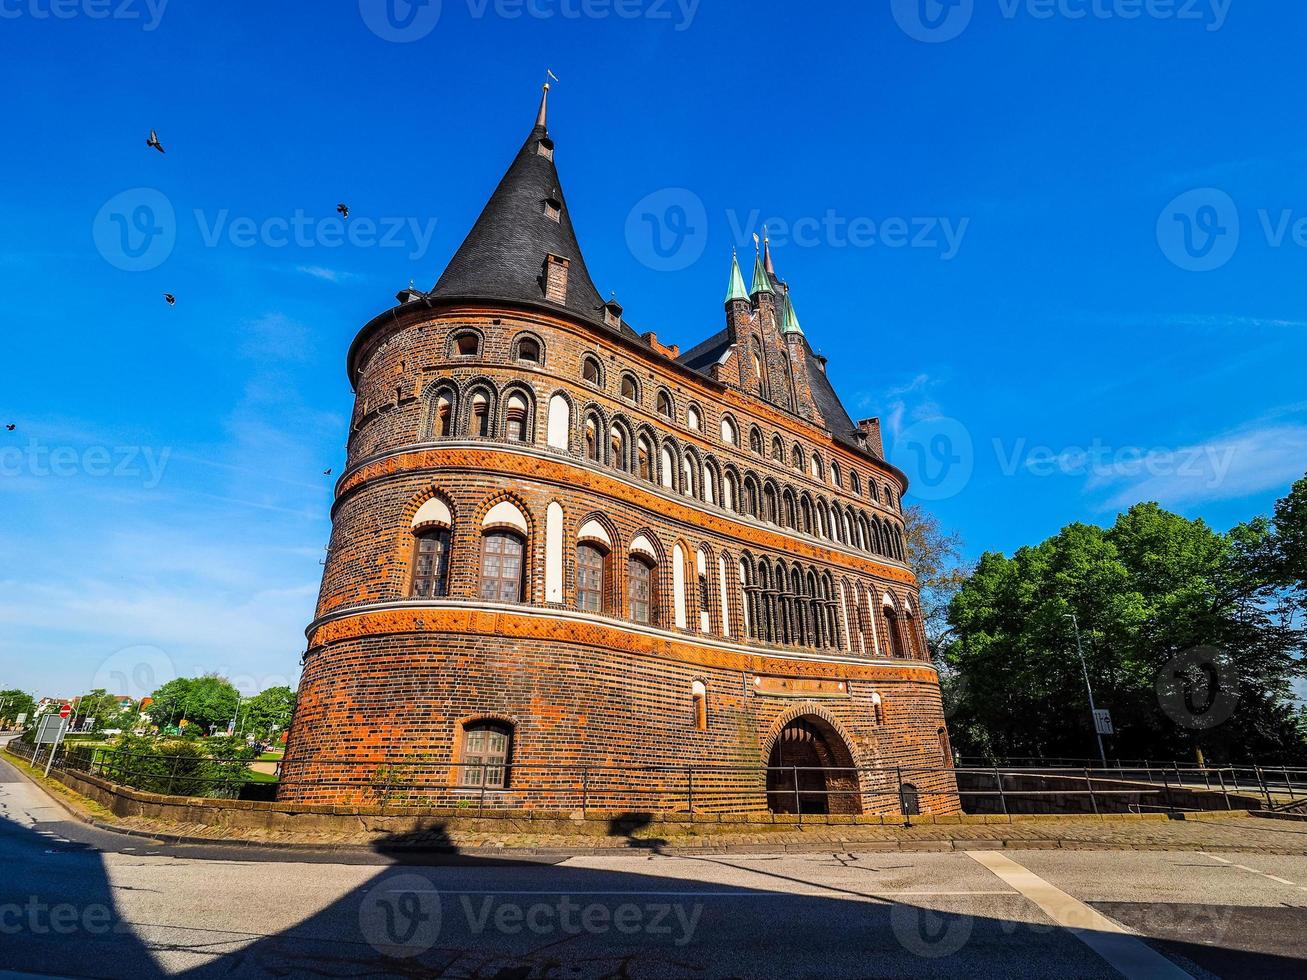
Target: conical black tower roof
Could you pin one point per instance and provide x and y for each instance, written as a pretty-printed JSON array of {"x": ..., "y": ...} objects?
[{"x": 503, "y": 255}]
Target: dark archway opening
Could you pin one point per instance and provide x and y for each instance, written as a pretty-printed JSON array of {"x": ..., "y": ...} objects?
[{"x": 810, "y": 770}]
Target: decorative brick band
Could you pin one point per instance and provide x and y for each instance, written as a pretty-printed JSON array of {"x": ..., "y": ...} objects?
[{"x": 578, "y": 630}]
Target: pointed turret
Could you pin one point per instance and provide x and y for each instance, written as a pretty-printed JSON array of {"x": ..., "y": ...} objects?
[
  {"x": 766, "y": 254},
  {"x": 523, "y": 248},
  {"x": 790, "y": 322},
  {"x": 735, "y": 289},
  {"x": 761, "y": 281}
]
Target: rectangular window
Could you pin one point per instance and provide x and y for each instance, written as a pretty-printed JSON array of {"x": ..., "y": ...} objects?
[
  {"x": 501, "y": 568},
  {"x": 589, "y": 578},
  {"x": 485, "y": 757},
  {"x": 640, "y": 590},
  {"x": 431, "y": 565}
]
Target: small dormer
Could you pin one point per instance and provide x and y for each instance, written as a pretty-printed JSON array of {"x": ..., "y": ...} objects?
[
  {"x": 613, "y": 314},
  {"x": 553, "y": 208},
  {"x": 545, "y": 148},
  {"x": 554, "y": 276}
]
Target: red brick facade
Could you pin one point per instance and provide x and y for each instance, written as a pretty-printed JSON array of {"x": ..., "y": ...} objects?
[{"x": 770, "y": 570}]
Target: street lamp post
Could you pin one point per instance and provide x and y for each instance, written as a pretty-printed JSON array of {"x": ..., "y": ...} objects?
[{"x": 1093, "y": 711}]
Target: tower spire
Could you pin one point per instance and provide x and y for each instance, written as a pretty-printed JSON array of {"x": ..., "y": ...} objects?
[
  {"x": 766, "y": 253},
  {"x": 544, "y": 107},
  {"x": 761, "y": 281},
  {"x": 735, "y": 290}
]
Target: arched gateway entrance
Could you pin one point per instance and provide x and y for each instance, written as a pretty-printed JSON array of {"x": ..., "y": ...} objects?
[{"x": 811, "y": 770}]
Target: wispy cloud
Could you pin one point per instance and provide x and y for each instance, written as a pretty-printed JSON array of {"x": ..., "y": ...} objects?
[
  {"x": 1229, "y": 466},
  {"x": 325, "y": 274}
]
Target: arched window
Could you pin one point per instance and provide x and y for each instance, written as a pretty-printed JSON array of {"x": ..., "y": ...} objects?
[
  {"x": 730, "y": 433},
  {"x": 855, "y": 481},
  {"x": 688, "y": 480},
  {"x": 517, "y": 419},
  {"x": 796, "y": 457},
  {"x": 527, "y": 348},
  {"x": 705, "y": 595},
  {"x": 466, "y": 343},
  {"x": 442, "y": 412},
  {"x": 501, "y": 566},
  {"x": 430, "y": 563},
  {"x": 486, "y": 754},
  {"x": 730, "y": 491},
  {"x": 644, "y": 463},
  {"x": 590, "y": 562},
  {"x": 710, "y": 483},
  {"x": 639, "y": 589},
  {"x": 593, "y": 450},
  {"x": 892, "y": 627},
  {"x": 759, "y": 369},
  {"x": 617, "y": 447},
  {"x": 816, "y": 470},
  {"x": 777, "y": 449},
  {"x": 699, "y": 704},
  {"x": 630, "y": 387},
  {"x": 668, "y": 466},
  {"x": 560, "y": 422},
  {"x": 835, "y": 476},
  {"x": 479, "y": 419},
  {"x": 665, "y": 405},
  {"x": 694, "y": 418},
  {"x": 591, "y": 372},
  {"x": 755, "y": 440}
]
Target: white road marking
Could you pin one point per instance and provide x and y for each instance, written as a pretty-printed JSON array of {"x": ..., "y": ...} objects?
[
  {"x": 1215, "y": 858},
  {"x": 1283, "y": 881},
  {"x": 691, "y": 894},
  {"x": 1244, "y": 867},
  {"x": 1122, "y": 949},
  {"x": 1264, "y": 874}
]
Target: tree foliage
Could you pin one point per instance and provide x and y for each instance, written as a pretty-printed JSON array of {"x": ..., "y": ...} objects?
[
  {"x": 207, "y": 702},
  {"x": 14, "y": 703},
  {"x": 936, "y": 558},
  {"x": 1191, "y": 639},
  {"x": 268, "y": 713}
]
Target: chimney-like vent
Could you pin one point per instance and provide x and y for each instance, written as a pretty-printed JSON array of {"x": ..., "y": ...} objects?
[
  {"x": 545, "y": 148},
  {"x": 613, "y": 314},
  {"x": 553, "y": 208},
  {"x": 555, "y": 278}
]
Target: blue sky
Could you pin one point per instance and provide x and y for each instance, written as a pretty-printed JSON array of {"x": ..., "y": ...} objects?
[{"x": 1059, "y": 255}]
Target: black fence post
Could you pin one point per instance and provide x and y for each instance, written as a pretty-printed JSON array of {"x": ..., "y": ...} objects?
[
  {"x": 1002, "y": 797},
  {"x": 1092, "y": 799},
  {"x": 1265, "y": 788},
  {"x": 798, "y": 807},
  {"x": 1224, "y": 792}
]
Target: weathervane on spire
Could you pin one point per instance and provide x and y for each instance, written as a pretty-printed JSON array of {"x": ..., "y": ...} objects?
[
  {"x": 756, "y": 244},
  {"x": 544, "y": 98}
]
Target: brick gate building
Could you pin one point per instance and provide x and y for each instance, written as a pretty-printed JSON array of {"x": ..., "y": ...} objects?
[{"x": 570, "y": 564}]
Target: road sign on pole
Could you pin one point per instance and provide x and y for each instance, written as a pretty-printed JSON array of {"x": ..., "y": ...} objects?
[
  {"x": 65, "y": 711},
  {"x": 1103, "y": 721}
]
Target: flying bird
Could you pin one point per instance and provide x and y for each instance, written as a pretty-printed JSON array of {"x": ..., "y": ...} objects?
[
  {"x": 326, "y": 472},
  {"x": 154, "y": 142},
  {"x": 170, "y": 299},
  {"x": 10, "y": 427},
  {"x": 343, "y": 209}
]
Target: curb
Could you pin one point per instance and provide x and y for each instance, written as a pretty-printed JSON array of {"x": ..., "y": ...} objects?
[{"x": 637, "y": 850}]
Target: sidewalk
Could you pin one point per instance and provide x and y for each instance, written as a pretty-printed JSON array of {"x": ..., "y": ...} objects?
[{"x": 1234, "y": 831}]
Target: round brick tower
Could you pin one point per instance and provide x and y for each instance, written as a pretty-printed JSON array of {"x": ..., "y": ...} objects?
[{"x": 572, "y": 566}]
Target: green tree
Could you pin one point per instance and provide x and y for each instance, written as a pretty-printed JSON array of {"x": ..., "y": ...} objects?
[
  {"x": 204, "y": 702},
  {"x": 1185, "y": 635},
  {"x": 268, "y": 713},
  {"x": 96, "y": 711},
  {"x": 14, "y": 703},
  {"x": 936, "y": 558}
]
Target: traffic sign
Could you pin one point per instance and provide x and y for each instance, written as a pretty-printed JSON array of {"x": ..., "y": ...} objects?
[
  {"x": 1103, "y": 721},
  {"x": 65, "y": 711}
]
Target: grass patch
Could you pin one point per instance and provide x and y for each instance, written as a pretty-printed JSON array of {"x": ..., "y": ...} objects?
[{"x": 254, "y": 776}]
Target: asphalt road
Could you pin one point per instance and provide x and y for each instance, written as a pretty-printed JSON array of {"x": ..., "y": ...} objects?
[{"x": 75, "y": 901}]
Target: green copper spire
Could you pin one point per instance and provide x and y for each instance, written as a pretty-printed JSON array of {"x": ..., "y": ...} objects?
[
  {"x": 736, "y": 289},
  {"x": 790, "y": 322},
  {"x": 761, "y": 282}
]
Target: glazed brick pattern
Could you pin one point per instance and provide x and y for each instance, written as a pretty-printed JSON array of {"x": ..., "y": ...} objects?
[{"x": 389, "y": 681}]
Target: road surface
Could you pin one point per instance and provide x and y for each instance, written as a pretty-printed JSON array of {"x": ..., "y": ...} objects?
[{"x": 79, "y": 902}]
